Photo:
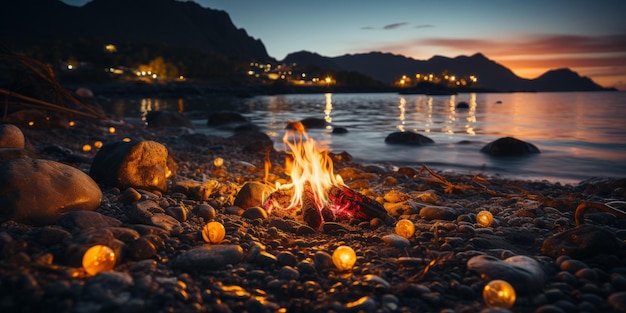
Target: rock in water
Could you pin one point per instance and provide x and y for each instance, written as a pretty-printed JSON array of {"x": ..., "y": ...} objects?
[
  {"x": 138, "y": 164},
  {"x": 41, "y": 191},
  {"x": 407, "y": 138},
  {"x": 523, "y": 273},
  {"x": 157, "y": 119},
  {"x": 580, "y": 242},
  {"x": 11, "y": 136},
  {"x": 509, "y": 146}
]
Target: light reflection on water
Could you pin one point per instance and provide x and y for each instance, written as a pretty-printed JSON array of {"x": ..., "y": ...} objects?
[{"x": 580, "y": 135}]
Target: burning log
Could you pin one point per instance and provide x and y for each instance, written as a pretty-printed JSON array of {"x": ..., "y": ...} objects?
[
  {"x": 310, "y": 211},
  {"x": 343, "y": 204},
  {"x": 351, "y": 204}
]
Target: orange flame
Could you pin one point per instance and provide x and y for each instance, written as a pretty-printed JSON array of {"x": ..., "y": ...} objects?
[{"x": 310, "y": 166}]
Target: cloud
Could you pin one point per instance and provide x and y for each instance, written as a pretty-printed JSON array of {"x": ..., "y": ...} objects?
[
  {"x": 387, "y": 27},
  {"x": 395, "y": 25},
  {"x": 423, "y": 26}
]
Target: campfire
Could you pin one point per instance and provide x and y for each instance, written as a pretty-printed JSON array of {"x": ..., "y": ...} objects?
[{"x": 315, "y": 191}]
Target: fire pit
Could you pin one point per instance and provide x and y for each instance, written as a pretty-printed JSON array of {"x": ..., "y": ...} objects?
[{"x": 315, "y": 192}]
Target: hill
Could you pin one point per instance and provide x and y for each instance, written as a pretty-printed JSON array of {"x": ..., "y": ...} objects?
[
  {"x": 387, "y": 68},
  {"x": 156, "y": 22}
]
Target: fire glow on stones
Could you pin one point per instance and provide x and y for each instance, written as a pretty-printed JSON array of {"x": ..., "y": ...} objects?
[
  {"x": 499, "y": 293},
  {"x": 98, "y": 258},
  {"x": 213, "y": 232},
  {"x": 484, "y": 218},
  {"x": 405, "y": 228},
  {"x": 344, "y": 258}
]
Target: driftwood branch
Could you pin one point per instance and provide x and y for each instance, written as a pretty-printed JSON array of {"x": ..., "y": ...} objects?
[{"x": 46, "y": 73}]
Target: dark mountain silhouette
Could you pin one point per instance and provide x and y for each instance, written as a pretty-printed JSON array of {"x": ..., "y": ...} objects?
[
  {"x": 183, "y": 24},
  {"x": 387, "y": 68},
  {"x": 187, "y": 25}
]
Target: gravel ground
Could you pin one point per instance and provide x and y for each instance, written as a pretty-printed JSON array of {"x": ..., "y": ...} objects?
[{"x": 279, "y": 264}]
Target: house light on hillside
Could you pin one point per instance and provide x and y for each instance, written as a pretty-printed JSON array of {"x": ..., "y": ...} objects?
[{"x": 110, "y": 48}]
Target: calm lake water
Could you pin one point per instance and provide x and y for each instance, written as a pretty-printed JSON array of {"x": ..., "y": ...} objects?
[{"x": 580, "y": 134}]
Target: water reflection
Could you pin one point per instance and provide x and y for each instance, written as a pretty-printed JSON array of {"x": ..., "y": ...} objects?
[
  {"x": 471, "y": 116},
  {"x": 328, "y": 108},
  {"x": 402, "y": 108}
]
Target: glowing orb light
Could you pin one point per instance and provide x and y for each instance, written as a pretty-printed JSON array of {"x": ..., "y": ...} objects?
[
  {"x": 344, "y": 258},
  {"x": 126, "y": 139},
  {"x": 213, "y": 232},
  {"x": 98, "y": 144},
  {"x": 405, "y": 228},
  {"x": 484, "y": 218},
  {"x": 111, "y": 130},
  {"x": 87, "y": 148},
  {"x": 71, "y": 123},
  {"x": 98, "y": 259},
  {"x": 499, "y": 293},
  {"x": 218, "y": 162}
]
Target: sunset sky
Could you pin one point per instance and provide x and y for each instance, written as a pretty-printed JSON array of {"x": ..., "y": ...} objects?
[{"x": 529, "y": 37}]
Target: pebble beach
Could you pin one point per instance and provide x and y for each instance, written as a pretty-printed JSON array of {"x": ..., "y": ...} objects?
[{"x": 278, "y": 263}]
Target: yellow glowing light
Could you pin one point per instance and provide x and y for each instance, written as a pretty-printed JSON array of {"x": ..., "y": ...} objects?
[
  {"x": 87, "y": 148},
  {"x": 218, "y": 162},
  {"x": 31, "y": 123},
  {"x": 72, "y": 123},
  {"x": 213, "y": 232},
  {"x": 405, "y": 228},
  {"x": 499, "y": 293},
  {"x": 344, "y": 258},
  {"x": 98, "y": 259},
  {"x": 484, "y": 218},
  {"x": 126, "y": 139},
  {"x": 98, "y": 144},
  {"x": 111, "y": 130}
]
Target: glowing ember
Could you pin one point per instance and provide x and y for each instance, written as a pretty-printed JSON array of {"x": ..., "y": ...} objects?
[
  {"x": 98, "y": 259},
  {"x": 213, "y": 232},
  {"x": 484, "y": 218},
  {"x": 218, "y": 162},
  {"x": 405, "y": 228},
  {"x": 315, "y": 189},
  {"x": 344, "y": 258},
  {"x": 499, "y": 293}
]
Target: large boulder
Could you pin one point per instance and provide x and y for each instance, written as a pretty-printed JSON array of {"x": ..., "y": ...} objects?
[
  {"x": 137, "y": 164},
  {"x": 39, "y": 191},
  {"x": 509, "y": 146},
  {"x": 407, "y": 138}
]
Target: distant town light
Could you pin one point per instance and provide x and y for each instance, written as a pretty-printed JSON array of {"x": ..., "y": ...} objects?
[
  {"x": 110, "y": 48},
  {"x": 70, "y": 67}
]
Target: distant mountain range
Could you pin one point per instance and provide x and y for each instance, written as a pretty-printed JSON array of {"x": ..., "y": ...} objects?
[
  {"x": 387, "y": 67},
  {"x": 186, "y": 24}
]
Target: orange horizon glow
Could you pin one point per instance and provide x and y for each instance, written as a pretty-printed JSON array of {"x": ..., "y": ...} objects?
[{"x": 600, "y": 58}]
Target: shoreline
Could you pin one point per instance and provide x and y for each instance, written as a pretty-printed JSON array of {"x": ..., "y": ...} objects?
[{"x": 286, "y": 264}]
